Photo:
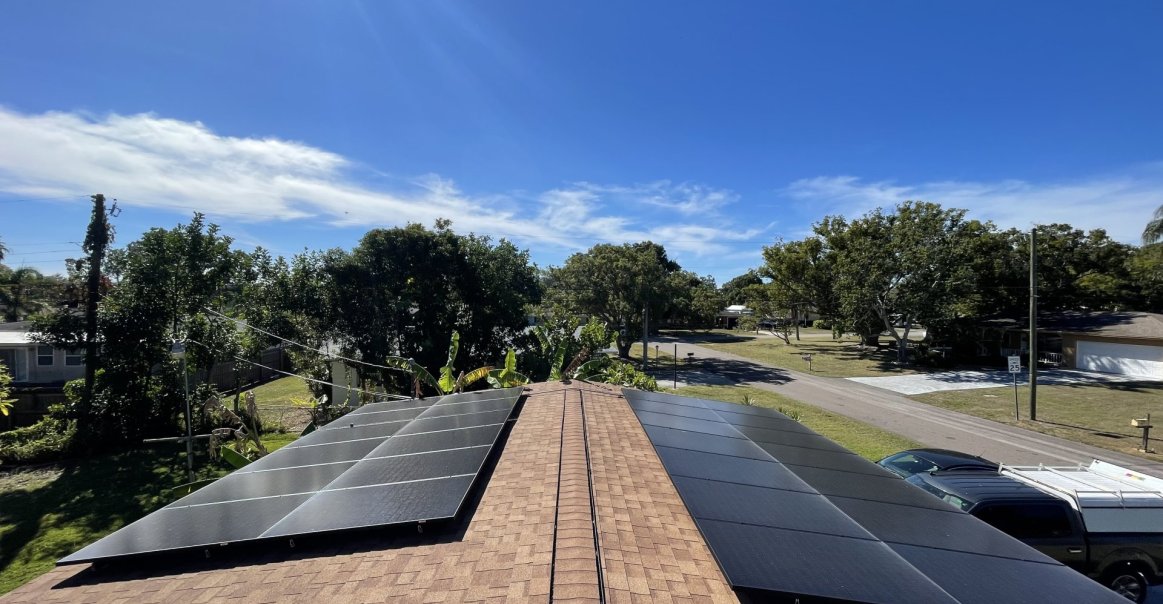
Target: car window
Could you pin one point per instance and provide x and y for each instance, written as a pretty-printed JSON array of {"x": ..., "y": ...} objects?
[
  {"x": 945, "y": 496},
  {"x": 1027, "y": 521},
  {"x": 907, "y": 464}
]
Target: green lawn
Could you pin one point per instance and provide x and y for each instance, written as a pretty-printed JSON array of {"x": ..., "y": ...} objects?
[
  {"x": 284, "y": 392},
  {"x": 1098, "y": 414},
  {"x": 830, "y": 358},
  {"x": 867, "y": 441},
  {"x": 48, "y": 512}
]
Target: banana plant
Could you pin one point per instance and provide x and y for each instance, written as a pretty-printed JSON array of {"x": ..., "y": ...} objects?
[
  {"x": 446, "y": 384},
  {"x": 508, "y": 376}
]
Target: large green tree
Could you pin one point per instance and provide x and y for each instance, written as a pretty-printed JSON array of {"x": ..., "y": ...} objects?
[
  {"x": 403, "y": 291},
  {"x": 616, "y": 283},
  {"x": 163, "y": 283},
  {"x": 913, "y": 265}
]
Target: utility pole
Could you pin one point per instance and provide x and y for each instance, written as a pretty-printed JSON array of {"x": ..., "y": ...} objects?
[
  {"x": 645, "y": 336},
  {"x": 97, "y": 238},
  {"x": 1033, "y": 339}
]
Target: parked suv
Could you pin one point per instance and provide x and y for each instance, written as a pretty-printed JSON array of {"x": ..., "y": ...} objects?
[{"x": 1122, "y": 549}]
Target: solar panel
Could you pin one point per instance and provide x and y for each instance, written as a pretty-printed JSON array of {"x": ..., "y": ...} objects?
[
  {"x": 383, "y": 464},
  {"x": 739, "y": 470},
  {"x": 787, "y": 511}
]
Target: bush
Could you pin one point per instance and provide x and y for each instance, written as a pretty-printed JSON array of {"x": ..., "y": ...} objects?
[
  {"x": 50, "y": 439},
  {"x": 821, "y": 324}
]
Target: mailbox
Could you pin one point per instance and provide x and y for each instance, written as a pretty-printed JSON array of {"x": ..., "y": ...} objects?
[{"x": 1141, "y": 423}]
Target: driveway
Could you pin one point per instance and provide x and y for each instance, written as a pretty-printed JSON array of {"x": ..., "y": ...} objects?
[
  {"x": 931, "y": 426},
  {"x": 922, "y": 383}
]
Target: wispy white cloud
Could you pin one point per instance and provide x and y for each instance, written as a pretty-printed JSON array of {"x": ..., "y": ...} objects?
[
  {"x": 688, "y": 199},
  {"x": 1121, "y": 203},
  {"x": 152, "y": 161}
]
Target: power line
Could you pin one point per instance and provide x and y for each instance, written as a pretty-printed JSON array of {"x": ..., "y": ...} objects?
[
  {"x": 315, "y": 350},
  {"x": 303, "y": 377}
]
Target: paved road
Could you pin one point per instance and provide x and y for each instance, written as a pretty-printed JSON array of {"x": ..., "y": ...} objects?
[{"x": 932, "y": 426}]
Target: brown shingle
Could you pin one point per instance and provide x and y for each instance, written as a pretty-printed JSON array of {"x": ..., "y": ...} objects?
[{"x": 648, "y": 545}]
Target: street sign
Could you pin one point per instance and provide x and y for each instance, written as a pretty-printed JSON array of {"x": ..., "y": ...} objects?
[{"x": 1016, "y": 368}]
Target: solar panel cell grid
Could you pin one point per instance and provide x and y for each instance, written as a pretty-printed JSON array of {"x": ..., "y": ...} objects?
[
  {"x": 385, "y": 463},
  {"x": 844, "y": 529}
]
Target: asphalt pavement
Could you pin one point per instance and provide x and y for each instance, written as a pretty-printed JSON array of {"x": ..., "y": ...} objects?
[{"x": 931, "y": 426}]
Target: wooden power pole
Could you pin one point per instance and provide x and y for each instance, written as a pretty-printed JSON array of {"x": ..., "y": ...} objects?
[{"x": 1033, "y": 324}]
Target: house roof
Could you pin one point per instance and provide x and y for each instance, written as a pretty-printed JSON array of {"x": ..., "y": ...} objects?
[
  {"x": 580, "y": 507},
  {"x": 507, "y": 550},
  {"x": 1126, "y": 324},
  {"x": 15, "y": 332}
]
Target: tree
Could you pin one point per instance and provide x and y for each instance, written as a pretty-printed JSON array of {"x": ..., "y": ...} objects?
[
  {"x": 805, "y": 272},
  {"x": 615, "y": 283},
  {"x": 732, "y": 291},
  {"x": 912, "y": 266},
  {"x": 24, "y": 292},
  {"x": 97, "y": 239},
  {"x": 165, "y": 280},
  {"x": 401, "y": 291},
  {"x": 1152, "y": 233},
  {"x": 695, "y": 301}
]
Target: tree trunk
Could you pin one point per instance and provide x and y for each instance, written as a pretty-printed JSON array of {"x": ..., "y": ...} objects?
[
  {"x": 870, "y": 340},
  {"x": 624, "y": 347}
]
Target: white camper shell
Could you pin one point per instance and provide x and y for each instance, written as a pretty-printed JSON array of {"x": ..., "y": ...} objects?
[{"x": 1110, "y": 498}]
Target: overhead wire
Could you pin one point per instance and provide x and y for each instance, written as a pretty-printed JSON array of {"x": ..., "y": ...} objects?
[
  {"x": 327, "y": 354},
  {"x": 302, "y": 377}
]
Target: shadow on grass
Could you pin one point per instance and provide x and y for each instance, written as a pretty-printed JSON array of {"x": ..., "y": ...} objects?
[
  {"x": 710, "y": 371},
  {"x": 703, "y": 337},
  {"x": 88, "y": 499}
]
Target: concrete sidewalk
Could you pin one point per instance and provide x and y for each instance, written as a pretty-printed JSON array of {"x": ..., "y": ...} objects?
[
  {"x": 932, "y": 426},
  {"x": 922, "y": 383}
]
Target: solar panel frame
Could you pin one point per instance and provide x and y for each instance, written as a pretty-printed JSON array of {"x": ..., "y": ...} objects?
[
  {"x": 425, "y": 475},
  {"x": 764, "y": 536}
]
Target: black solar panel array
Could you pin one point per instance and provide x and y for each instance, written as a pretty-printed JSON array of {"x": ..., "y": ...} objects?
[
  {"x": 789, "y": 512},
  {"x": 382, "y": 464}
]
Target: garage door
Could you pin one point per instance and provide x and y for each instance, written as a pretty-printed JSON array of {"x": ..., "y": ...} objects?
[{"x": 1126, "y": 359}]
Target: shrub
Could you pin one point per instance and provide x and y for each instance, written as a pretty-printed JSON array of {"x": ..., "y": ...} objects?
[
  {"x": 50, "y": 439},
  {"x": 821, "y": 324},
  {"x": 792, "y": 414}
]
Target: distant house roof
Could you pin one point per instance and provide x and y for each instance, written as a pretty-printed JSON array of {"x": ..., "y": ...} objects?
[
  {"x": 735, "y": 310},
  {"x": 599, "y": 495},
  {"x": 1108, "y": 324},
  {"x": 16, "y": 332}
]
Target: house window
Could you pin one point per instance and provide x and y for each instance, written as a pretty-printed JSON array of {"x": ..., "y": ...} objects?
[
  {"x": 74, "y": 358},
  {"x": 44, "y": 355}
]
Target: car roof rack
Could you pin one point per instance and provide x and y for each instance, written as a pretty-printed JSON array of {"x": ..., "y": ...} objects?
[{"x": 1110, "y": 498}]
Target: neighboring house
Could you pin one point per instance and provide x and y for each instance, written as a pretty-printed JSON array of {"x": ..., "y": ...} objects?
[
  {"x": 1126, "y": 343},
  {"x": 729, "y": 317},
  {"x": 566, "y": 492},
  {"x": 36, "y": 364}
]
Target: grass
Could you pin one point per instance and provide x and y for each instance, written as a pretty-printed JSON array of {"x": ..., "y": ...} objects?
[
  {"x": 830, "y": 358},
  {"x": 1094, "y": 414},
  {"x": 284, "y": 392},
  {"x": 662, "y": 353},
  {"x": 867, "y": 441},
  {"x": 48, "y": 512}
]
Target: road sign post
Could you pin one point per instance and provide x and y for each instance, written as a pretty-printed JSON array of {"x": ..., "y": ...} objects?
[{"x": 1015, "y": 363}]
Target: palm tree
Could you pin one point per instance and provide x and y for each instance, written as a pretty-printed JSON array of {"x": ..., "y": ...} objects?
[
  {"x": 17, "y": 295},
  {"x": 1153, "y": 233}
]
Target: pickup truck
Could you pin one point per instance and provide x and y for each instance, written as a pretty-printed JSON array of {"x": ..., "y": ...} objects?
[{"x": 1104, "y": 521}]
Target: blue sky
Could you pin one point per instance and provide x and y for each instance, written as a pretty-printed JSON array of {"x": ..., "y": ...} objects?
[{"x": 713, "y": 128}]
